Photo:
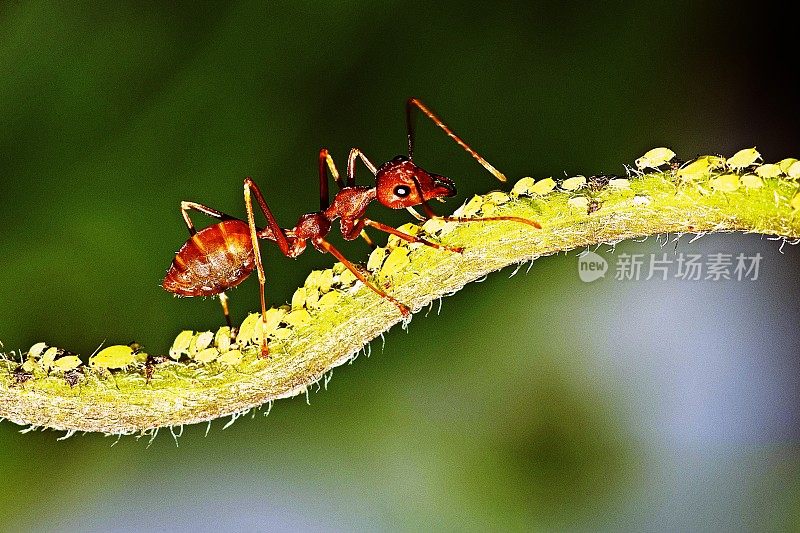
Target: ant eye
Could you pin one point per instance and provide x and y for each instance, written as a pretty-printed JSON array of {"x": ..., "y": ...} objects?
[
  {"x": 399, "y": 159},
  {"x": 402, "y": 191}
]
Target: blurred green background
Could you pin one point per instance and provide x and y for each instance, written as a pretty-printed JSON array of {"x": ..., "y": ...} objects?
[{"x": 537, "y": 402}]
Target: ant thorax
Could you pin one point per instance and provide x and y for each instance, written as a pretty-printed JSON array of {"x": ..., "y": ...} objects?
[
  {"x": 312, "y": 226},
  {"x": 350, "y": 202}
]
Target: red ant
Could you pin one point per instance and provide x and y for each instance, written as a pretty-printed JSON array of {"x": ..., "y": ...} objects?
[{"x": 221, "y": 256}]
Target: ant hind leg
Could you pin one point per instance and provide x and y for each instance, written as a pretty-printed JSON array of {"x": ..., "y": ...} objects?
[
  {"x": 280, "y": 239},
  {"x": 223, "y": 300},
  {"x": 193, "y": 206}
]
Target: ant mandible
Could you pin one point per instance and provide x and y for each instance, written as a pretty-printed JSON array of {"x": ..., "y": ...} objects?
[{"x": 221, "y": 256}]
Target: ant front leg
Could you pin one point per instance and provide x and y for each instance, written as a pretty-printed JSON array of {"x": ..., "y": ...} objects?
[
  {"x": 280, "y": 239},
  {"x": 431, "y": 214},
  {"x": 413, "y": 104},
  {"x": 410, "y": 238}
]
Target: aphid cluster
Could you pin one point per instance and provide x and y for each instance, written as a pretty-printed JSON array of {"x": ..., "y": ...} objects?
[
  {"x": 224, "y": 254},
  {"x": 42, "y": 361},
  {"x": 741, "y": 170}
]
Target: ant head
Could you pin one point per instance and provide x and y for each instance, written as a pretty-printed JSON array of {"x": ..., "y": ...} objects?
[{"x": 400, "y": 184}]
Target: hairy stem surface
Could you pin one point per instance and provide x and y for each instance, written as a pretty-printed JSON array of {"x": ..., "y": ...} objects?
[{"x": 333, "y": 316}]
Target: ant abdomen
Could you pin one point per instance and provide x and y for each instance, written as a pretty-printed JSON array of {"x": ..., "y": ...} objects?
[{"x": 213, "y": 260}]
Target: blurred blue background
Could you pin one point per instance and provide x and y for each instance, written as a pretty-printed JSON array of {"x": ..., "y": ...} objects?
[{"x": 656, "y": 405}]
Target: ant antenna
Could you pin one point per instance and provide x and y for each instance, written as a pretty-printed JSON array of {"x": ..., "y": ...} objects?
[{"x": 412, "y": 103}]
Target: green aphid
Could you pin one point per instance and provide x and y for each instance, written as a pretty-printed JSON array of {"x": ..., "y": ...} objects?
[
  {"x": 695, "y": 170},
  {"x": 620, "y": 184},
  {"x": 397, "y": 260},
  {"x": 207, "y": 355},
  {"x": 347, "y": 278},
  {"x": 655, "y": 158},
  {"x": 273, "y": 319},
  {"x": 770, "y": 170},
  {"x": 470, "y": 208},
  {"x": 312, "y": 280},
  {"x": 438, "y": 225},
  {"x": 248, "y": 328},
  {"x": 543, "y": 187},
  {"x": 113, "y": 357},
  {"x": 522, "y": 187},
  {"x": 751, "y": 181},
  {"x": 200, "y": 342},
  {"x": 579, "y": 203},
  {"x": 37, "y": 349},
  {"x": 488, "y": 209},
  {"x": 376, "y": 258},
  {"x": 329, "y": 299},
  {"x": 786, "y": 163},
  {"x": 433, "y": 225},
  {"x": 574, "y": 183},
  {"x": 252, "y": 330},
  {"x": 714, "y": 161},
  {"x": 794, "y": 170},
  {"x": 409, "y": 228},
  {"x": 222, "y": 339},
  {"x": 725, "y": 183},
  {"x": 231, "y": 358},
  {"x": 744, "y": 158},
  {"x": 297, "y": 318},
  {"x": 496, "y": 198},
  {"x": 180, "y": 345},
  {"x": 67, "y": 363},
  {"x": 325, "y": 280},
  {"x": 312, "y": 297},
  {"x": 49, "y": 357},
  {"x": 31, "y": 366},
  {"x": 299, "y": 298}
]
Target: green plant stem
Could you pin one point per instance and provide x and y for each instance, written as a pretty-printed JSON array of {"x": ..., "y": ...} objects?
[{"x": 188, "y": 393}]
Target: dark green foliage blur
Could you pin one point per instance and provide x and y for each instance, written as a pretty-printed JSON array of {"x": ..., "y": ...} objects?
[{"x": 507, "y": 411}]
